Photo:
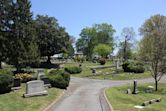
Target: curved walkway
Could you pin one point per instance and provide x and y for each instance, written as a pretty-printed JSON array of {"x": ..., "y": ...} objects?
[{"x": 87, "y": 94}]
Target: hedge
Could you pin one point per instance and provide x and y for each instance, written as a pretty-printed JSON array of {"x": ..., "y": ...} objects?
[
  {"x": 59, "y": 79},
  {"x": 73, "y": 69},
  {"x": 5, "y": 83},
  {"x": 133, "y": 66}
]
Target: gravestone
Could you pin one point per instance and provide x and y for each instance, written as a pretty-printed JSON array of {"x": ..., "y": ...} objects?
[
  {"x": 128, "y": 91},
  {"x": 158, "y": 100},
  {"x": 146, "y": 103},
  {"x": 152, "y": 101},
  {"x": 35, "y": 88},
  {"x": 46, "y": 81},
  {"x": 40, "y": 72},
  {"x": 16, "y": 84},
  {"x": 117, "y": 64},
  {"x": 93, "y": 71},
  {"x": 149, "y": 89},
  {"x": 135, "y": 90}
]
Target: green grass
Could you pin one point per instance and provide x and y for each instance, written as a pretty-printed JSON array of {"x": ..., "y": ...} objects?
[
  {"x": 126, "y": 102},
  {"x": 123, "y": 76},
  {"x": 14, "y": 101},
  {"x": 86, "y": 72}
]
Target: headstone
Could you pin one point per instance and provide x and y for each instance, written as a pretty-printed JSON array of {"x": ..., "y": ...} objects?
[
  {"x": 93, "y": 71},
  {"x": 149, "y": 89},
  {"x": 40, "y": 72},
  {"x": 146, "y": 103},
  {"x": 139, "y": 107},
  {"x": 46, "y": 81},
  {"x": 80, "y": 65},
  {"x": 135, "y": 90},
  {"x": 158, "y": 100},
  {"x": 35, "y": 88},
  {"x": 128, "y": 91},
  {"x": 152, "y": 101},
  {"x": 16, "y": 84},
  {"x": 117, "y": 64}
]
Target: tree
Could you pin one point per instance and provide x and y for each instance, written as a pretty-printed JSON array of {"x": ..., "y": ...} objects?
[
  {"x": 103, "y": 50},
  {"x": 153, "y": 45},
  {"x": 127, "y": 54},
  {"x": 88, "y": 41},
  {"x": 92, "y": 36},
  {"x": 128, "y": 33},
  {"x": 4, "y": 18},
  {"x": 52, "y": 39},
  {"x": 70, "y": 48},
  {"x": 22, "y": 47}
]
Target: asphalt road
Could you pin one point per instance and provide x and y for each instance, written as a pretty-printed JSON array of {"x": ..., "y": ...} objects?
[{"x": 87, "y": 94}]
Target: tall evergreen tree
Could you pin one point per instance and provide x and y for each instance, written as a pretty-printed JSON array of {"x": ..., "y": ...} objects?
[
  {"x": 5, "y": 8},
  {"x": 23, "y": 48}
]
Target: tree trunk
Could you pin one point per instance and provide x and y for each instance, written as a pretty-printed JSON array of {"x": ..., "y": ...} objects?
[
  {"x": 18, "y": 68},
  {"x": 125, "y": 48},
  {"x": 0, "y": 65},
  {"x": 156, "y": 85},
  {"x": 49, "y": 59}
]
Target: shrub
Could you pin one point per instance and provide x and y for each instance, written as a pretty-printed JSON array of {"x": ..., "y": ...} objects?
[
  {"x": 102, "y": 61},
  {"x": 135, "y": 66},
  {"x": 3, "y": 71},
  {"x": 73, "y": 69},
  {"x": 24, "y": 77},
  {"x": 59, "y": 79},
  {"x": 5, "y": 83}
]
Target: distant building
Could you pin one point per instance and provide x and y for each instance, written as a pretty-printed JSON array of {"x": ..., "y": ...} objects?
[{"x": 78, "y": 54}]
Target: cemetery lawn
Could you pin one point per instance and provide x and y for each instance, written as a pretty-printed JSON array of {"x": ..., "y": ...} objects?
[
  {"x": 121, "y": 101},
  {"x": 14, "y": 101},
  {"x": 87, "y": 72}
]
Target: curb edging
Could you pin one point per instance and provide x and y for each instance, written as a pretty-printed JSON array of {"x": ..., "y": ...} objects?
[
  {"x": 53, "y": 103},
  {"x": 110, "y": 106}
]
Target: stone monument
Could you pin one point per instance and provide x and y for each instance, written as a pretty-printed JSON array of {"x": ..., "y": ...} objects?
[
  {"x": 40, "y": 72},
  {"x": 16, "y": 84},
  {"x": 135, "y": 90},
  {"x": 35, "y": 88}
]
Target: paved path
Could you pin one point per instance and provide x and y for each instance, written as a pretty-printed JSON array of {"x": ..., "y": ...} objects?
[{"x": 87, "y": 94}]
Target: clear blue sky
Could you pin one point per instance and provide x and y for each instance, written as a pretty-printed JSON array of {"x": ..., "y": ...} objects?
[{"x": 77, "y": 14}]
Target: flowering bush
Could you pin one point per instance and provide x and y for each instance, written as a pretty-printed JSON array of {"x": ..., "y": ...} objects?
[{"x": 24, "y": 77}]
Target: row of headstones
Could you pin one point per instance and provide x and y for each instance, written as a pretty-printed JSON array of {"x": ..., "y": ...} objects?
[
  {"x": 35, "y": 87},
  {"x": 149, "y": 89},
  {"x": 117, "y": 66},
  {"x": 146, "y": 103}
]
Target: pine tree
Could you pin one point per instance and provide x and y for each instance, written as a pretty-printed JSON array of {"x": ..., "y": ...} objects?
[
  {"x": 4, "y": 28},
  {"x": 23, "y": 48}
]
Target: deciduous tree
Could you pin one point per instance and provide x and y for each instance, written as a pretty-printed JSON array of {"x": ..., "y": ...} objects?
[
  {"x": 52, "y": 39},
  {"x": 92, "y": 36},
  {"x": 153, "y": 45}
]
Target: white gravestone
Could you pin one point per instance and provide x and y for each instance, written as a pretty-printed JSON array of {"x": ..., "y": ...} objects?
[
  {"x": 35, "y": 88},
  {"x": 40, "y": 72},
  {"x": 117, "y": 64}
]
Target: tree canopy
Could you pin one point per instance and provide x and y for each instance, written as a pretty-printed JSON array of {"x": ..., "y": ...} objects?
[
  {"x": 18, "y": 32},
  {"x": 103, "y": 50},
  {"x": 92, "y": 36},
  {"x": 153, "y": 45},
  {"x": 52, "y": 38}
]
